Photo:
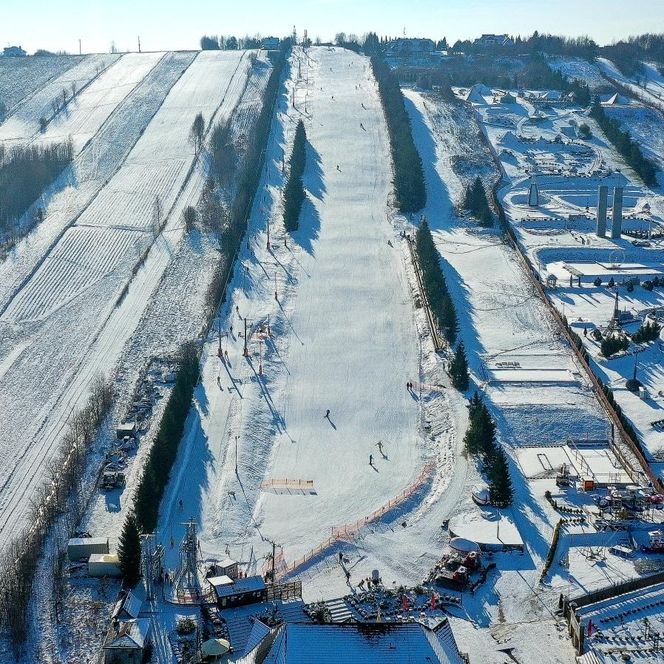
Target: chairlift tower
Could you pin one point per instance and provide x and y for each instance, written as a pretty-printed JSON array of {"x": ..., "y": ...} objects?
[
  {"x": 186, "y": 585},
  {"x": 147, "y": 553}
]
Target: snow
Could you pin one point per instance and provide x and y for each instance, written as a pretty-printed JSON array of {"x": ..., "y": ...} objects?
[
  {"x": 23, "y": 123},
  {"x": 20, "y": 77},
  {"x": 503, "y": 321},
  {"x": 280, "y": 417},
  {"x": 47, "y": 381},
  {"x": 69, "y": 196},
  {"x": 581, "y": 70},
  {"x": 97, "y": 101}
]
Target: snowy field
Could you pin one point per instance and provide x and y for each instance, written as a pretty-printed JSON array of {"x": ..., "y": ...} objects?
[
  {"x": 20, "y": 77},
  {"x": 73, "y": 191},
  {"x": 559, "y": 234},
  {"x": 581, "y": 70},
  {"x": 70, "y": 297},
  {"x": 23, "y": 123},
  {"x": 505, "y": 327}
]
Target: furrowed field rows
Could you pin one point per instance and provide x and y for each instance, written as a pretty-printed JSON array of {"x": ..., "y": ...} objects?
[
  {"x": 74, "y": 291},
  {"x": 20, "y": 77},
  {"x": 82, "y": 257},
  {"x": 23, "y": 124},
  {"x": 89, "y": 110},
  {"x": 130, "y": 196},
  {"x": 93, "y": 167}
]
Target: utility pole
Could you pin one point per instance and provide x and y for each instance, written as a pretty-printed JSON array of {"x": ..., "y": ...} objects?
[
  {"x": 236, "y": 437},
  {"x": 139, "y": 43},
  {"x": 219, "y": 331},
  {"x": 268, "y": 233},
  {"x": 245, "y": 352},
  {"x": 274, "y": 553}
]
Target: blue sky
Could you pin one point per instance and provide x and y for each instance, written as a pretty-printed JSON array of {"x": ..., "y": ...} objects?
[{"x": 178, "y": 24}]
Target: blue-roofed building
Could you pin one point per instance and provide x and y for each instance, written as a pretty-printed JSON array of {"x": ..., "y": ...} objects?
[
  {"x": 237, "y": 592},
  {"x": 245, "y": 624},
  {"x": 358, "y": 643}
]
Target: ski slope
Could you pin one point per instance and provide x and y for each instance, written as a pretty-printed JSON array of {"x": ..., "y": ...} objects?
[
  {"x": 71, "y": 300},
  {"x": 343, "y": 338}
]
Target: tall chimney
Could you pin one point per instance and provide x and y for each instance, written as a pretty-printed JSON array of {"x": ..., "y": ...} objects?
[
  {"x": 616, "y": 225},
  {"x": 602, "y": 204}
]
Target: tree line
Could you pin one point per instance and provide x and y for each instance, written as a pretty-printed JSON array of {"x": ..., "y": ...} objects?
[
  {"x": 628, "y": 149},
  {"x": 248, "y": 177},
  {"x": 408, "y": 172},
  {"x": 480, "y": 442},
  {"x": 57, "y": 506},
  {"x": 229, "y": 42},
  {"x": 476, "y": 202},
  {"x": 25, "y": 172},
  {"x": 160, "y": 460},
  {"x": 294, "y": 193},
  {"x": 433, "y": 282}
]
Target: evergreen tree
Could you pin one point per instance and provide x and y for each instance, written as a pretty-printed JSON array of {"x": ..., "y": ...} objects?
[
  {"x": 459, "y": 369},
  {"x": 623, "y": 143},
  {"x": 476, "y": 202},
  {"x": 500, "y": 483},
  {"x": 129, "y": 551},
  {"x": 408, "y": 171},
  {"x": 433, "y": 282},
  {"x": 294, "y": 193}
]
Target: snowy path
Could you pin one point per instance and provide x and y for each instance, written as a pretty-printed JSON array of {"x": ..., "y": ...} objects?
[
  {"x": 47, "y": 380},
  {"x": 344, "y": 339}
]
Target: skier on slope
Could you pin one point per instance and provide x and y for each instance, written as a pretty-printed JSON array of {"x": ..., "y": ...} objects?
[
  {"x": 327, "y": 414},
  {"x": 371, "y": 459}
]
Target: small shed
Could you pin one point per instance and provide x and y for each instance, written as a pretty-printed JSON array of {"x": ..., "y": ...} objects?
[
  {"x": 228, "y": 567},
  {"x": 81, "y": 548},
  {"x": 127, "y": 608},
  {"x": 128, "y": 644},
  {"x": 104, "y": 564},
  {"x": 126, "y": 429},
  {"x": 551, "y": 281},
  {"x": 237, "y": 593}
]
